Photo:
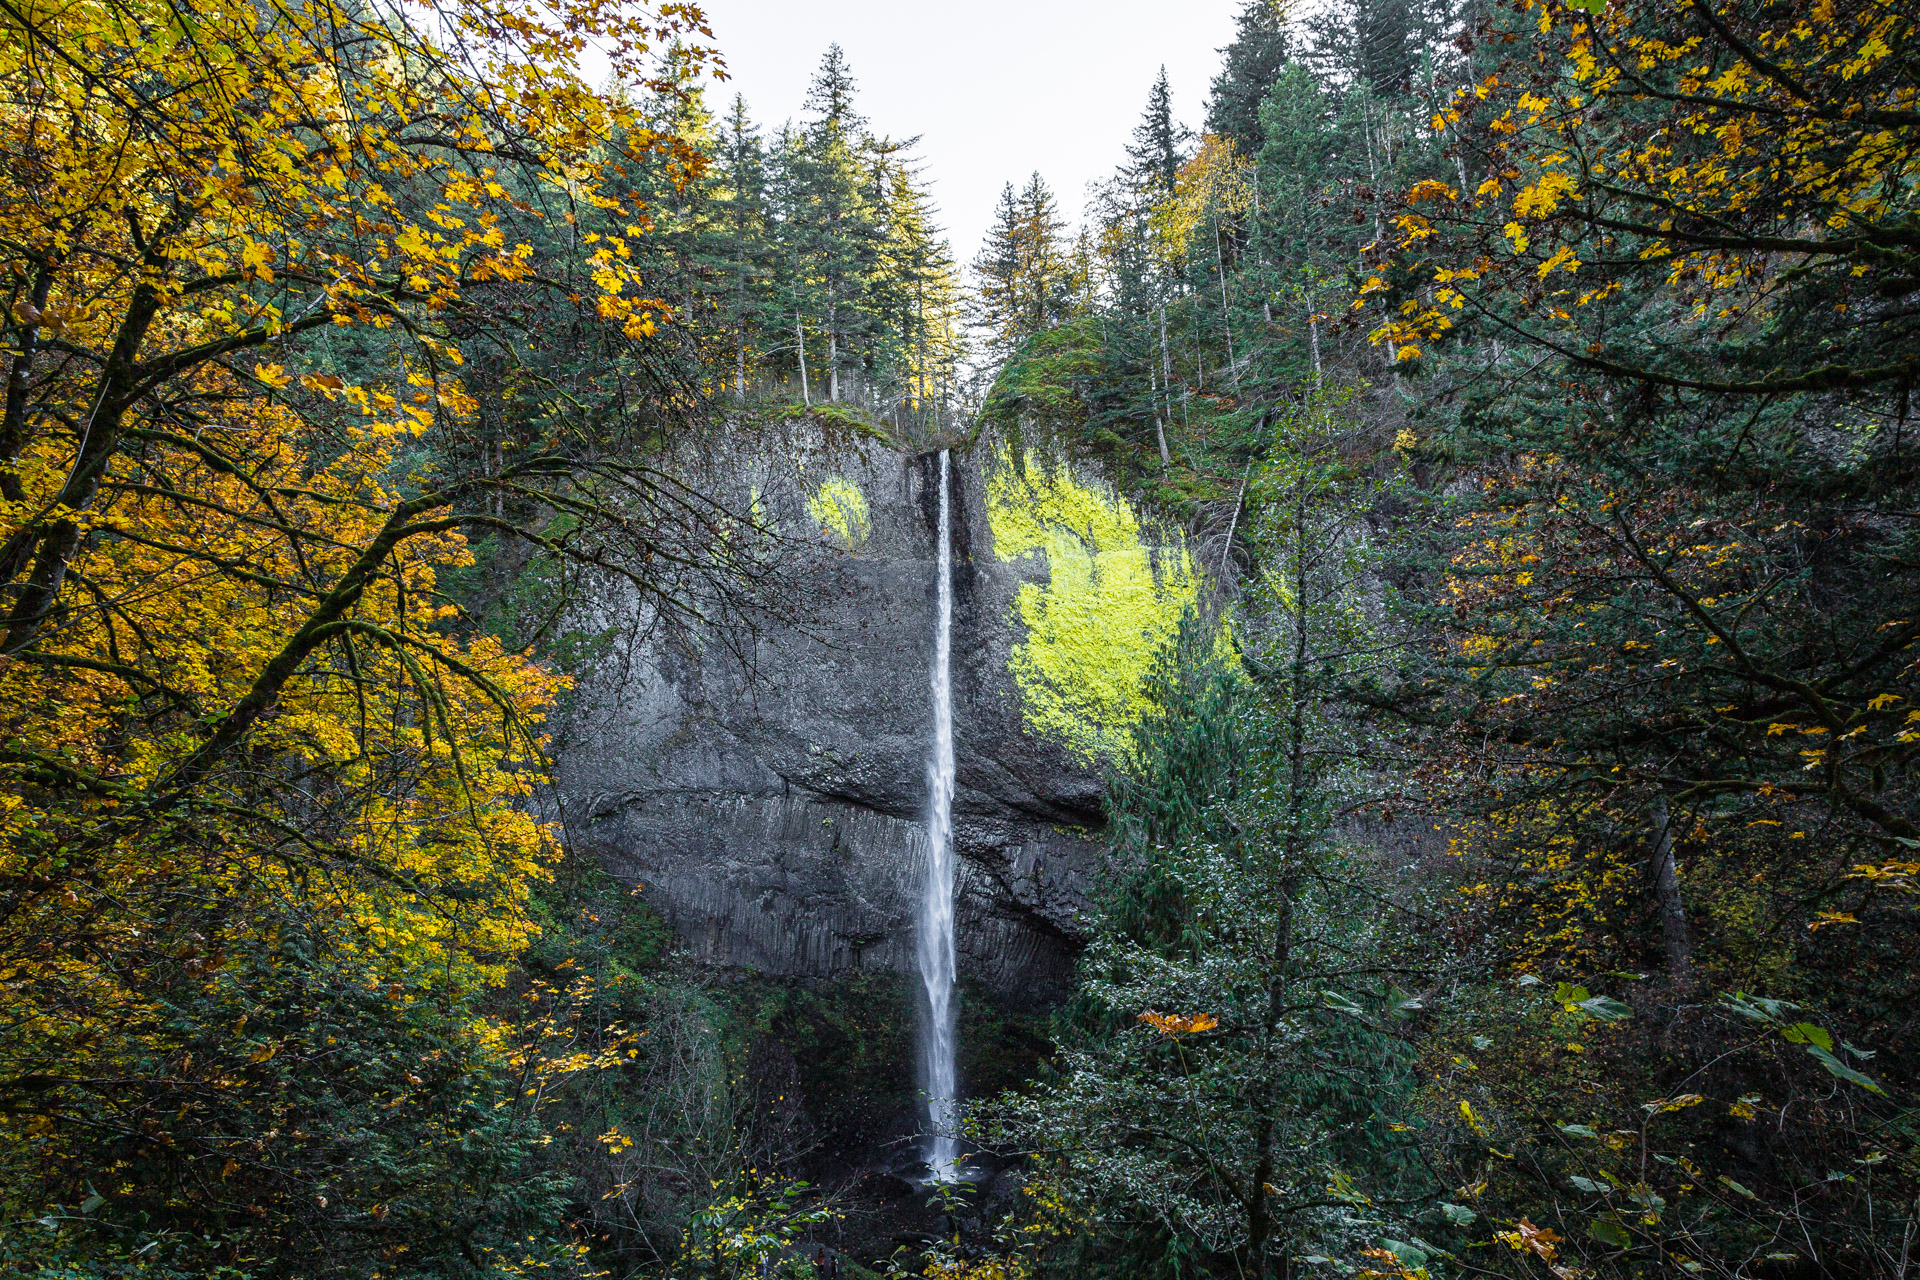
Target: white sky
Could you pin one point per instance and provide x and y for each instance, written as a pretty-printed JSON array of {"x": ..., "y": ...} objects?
[{"x": 994, "y": 88}]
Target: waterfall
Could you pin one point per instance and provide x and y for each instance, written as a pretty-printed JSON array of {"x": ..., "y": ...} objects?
[{"x": 935, "y": 945}]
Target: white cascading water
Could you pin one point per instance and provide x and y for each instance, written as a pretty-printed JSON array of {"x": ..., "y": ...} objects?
[{"x": 936, "y": 944}]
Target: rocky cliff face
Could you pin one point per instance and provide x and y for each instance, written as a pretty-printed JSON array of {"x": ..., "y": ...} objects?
[{"x": 774, "y": 809}]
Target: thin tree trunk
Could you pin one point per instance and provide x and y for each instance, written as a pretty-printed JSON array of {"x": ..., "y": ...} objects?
[
  {"x": 833, "y": 348},
  {"x": 1159, "y": 422},
  {"x": 1259, "y": 1206},
  {"x": 13, "y": 430},
  {"x": 1226, "y": 316},
  {"x": 1666, "y": 894},
  {"x": 1373, "y": 172},
  {"x": 1166, "y": 361},
  {"x": 1253, "y": 235},
  {"x": 1198, "y": 346},
  {"x": 1260, "y": 1217},
  {"x": 1388, "y": 355},
  {"x": 920, "y": 342},
  {"x": 1239, "y": 499},
  {"x": 800, "y": 340},
  {"x": 740, "y": 317},
  {"x": 495, "y": 498}
]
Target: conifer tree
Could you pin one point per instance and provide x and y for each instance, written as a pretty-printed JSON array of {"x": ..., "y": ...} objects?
[
  {"x": 1254, "y": 60},
  {"x": 830, "y": 96},
  {"x": 996, "y": 271},
  {"x": 794, "y": 280},
  {"x": 813, "y": 256},
  {"x": 920, "y": 301},
  {"x": 1024, "y": 270},
  {"x": 1375, "y": 43},
  {"x": 1155, "y": 153},
  {"x": 1387, "y": 45},
  {"x": 1233, "y": 924},
  {"x": 689, "y": 248},
  {"x": 837, "y": 229},
  {"x": 1045, "y": 268},
  {"x": 745, "y": 302}
]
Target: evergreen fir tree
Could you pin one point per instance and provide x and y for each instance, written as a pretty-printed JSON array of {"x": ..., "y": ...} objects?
[
  {"x": 1046, "y": 286},
  {"x": 919, "y": 295},
  {"x": 996, "y": 272},
  {"x": 744, "y": 297},
  {"x": 1154, "y": 155},
  {"x": 1254, "y": 61},
  {"x": 840, "y": 229},
  {"x": 1024, "y": 272},
  {"x": 796, "y": 281},
  {"x": 830, "y": 95},
  {"x": 1388, "y": 46},
  {"x": 1372, "y": 43}
]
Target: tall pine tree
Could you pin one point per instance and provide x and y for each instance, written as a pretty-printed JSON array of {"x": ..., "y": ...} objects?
[
  {"x": 1155, "y": 153},
  {"x": 1024, "y": 271},
  {"x": 745, "y": 299},
  {"x": 843, "y": 225},
  {"x": 1254, "y": 61}
]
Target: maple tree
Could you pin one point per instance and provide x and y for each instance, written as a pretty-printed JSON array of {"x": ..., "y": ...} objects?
[
  {"x": 1679, "y": 591},
  {"x": 1661, "y": 280},
  {"x": 266, "y": 787},
  {"x": 1744, "y": 172}
]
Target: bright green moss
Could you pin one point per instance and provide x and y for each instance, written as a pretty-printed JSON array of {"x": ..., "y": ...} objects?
[
  {"x": 1111, "y": 602},
  {"x": 841, "y": 510}
]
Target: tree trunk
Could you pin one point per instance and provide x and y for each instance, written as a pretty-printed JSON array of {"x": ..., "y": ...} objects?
[
  {"x": 52, "y": 547},
  {"x": 833, "y": 349},
  {"x": 1666, "y": 895},
  {"x": 740, "y": 322},
  {"x": 1259, "y": 1199},
  {"x": 1159, "y": 420},
  {"x": 1260, "y": 1217},
  {"x": 1166, "y": 361},
  {"x": 13, "y": 432},
  {"x": 800, "y": 340},
  {"x": 1379, "y": 233},
  {"x": 1226, "y": 316}
]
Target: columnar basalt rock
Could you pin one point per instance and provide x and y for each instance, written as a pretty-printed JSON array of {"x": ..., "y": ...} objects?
[{"x": 774, "y": 810}]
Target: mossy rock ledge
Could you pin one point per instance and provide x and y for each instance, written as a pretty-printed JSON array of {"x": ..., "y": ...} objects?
[{"x": 774, "y": 816}]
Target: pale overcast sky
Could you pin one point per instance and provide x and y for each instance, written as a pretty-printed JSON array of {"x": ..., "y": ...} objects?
[{"x": 994, "y": 88}]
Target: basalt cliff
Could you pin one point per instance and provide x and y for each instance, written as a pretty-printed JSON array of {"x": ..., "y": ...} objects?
[{"x": 770, "y": 798}]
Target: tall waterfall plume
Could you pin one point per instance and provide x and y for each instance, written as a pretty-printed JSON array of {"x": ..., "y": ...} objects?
[{"x": 938, "y": 1076}]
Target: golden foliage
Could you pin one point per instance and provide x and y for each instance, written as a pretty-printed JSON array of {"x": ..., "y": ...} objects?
[
  {"x": 1218, "y": 182},
  {"x": 240, "y": 717},
  {"x": 1173, "y": 1025},
  {"x": 1731, "y": 156}
]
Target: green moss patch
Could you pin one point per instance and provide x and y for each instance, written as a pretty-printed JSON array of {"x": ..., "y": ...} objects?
[
  {"x": 1111, "y": 602},
  {"x": 840, "y": 509}
]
